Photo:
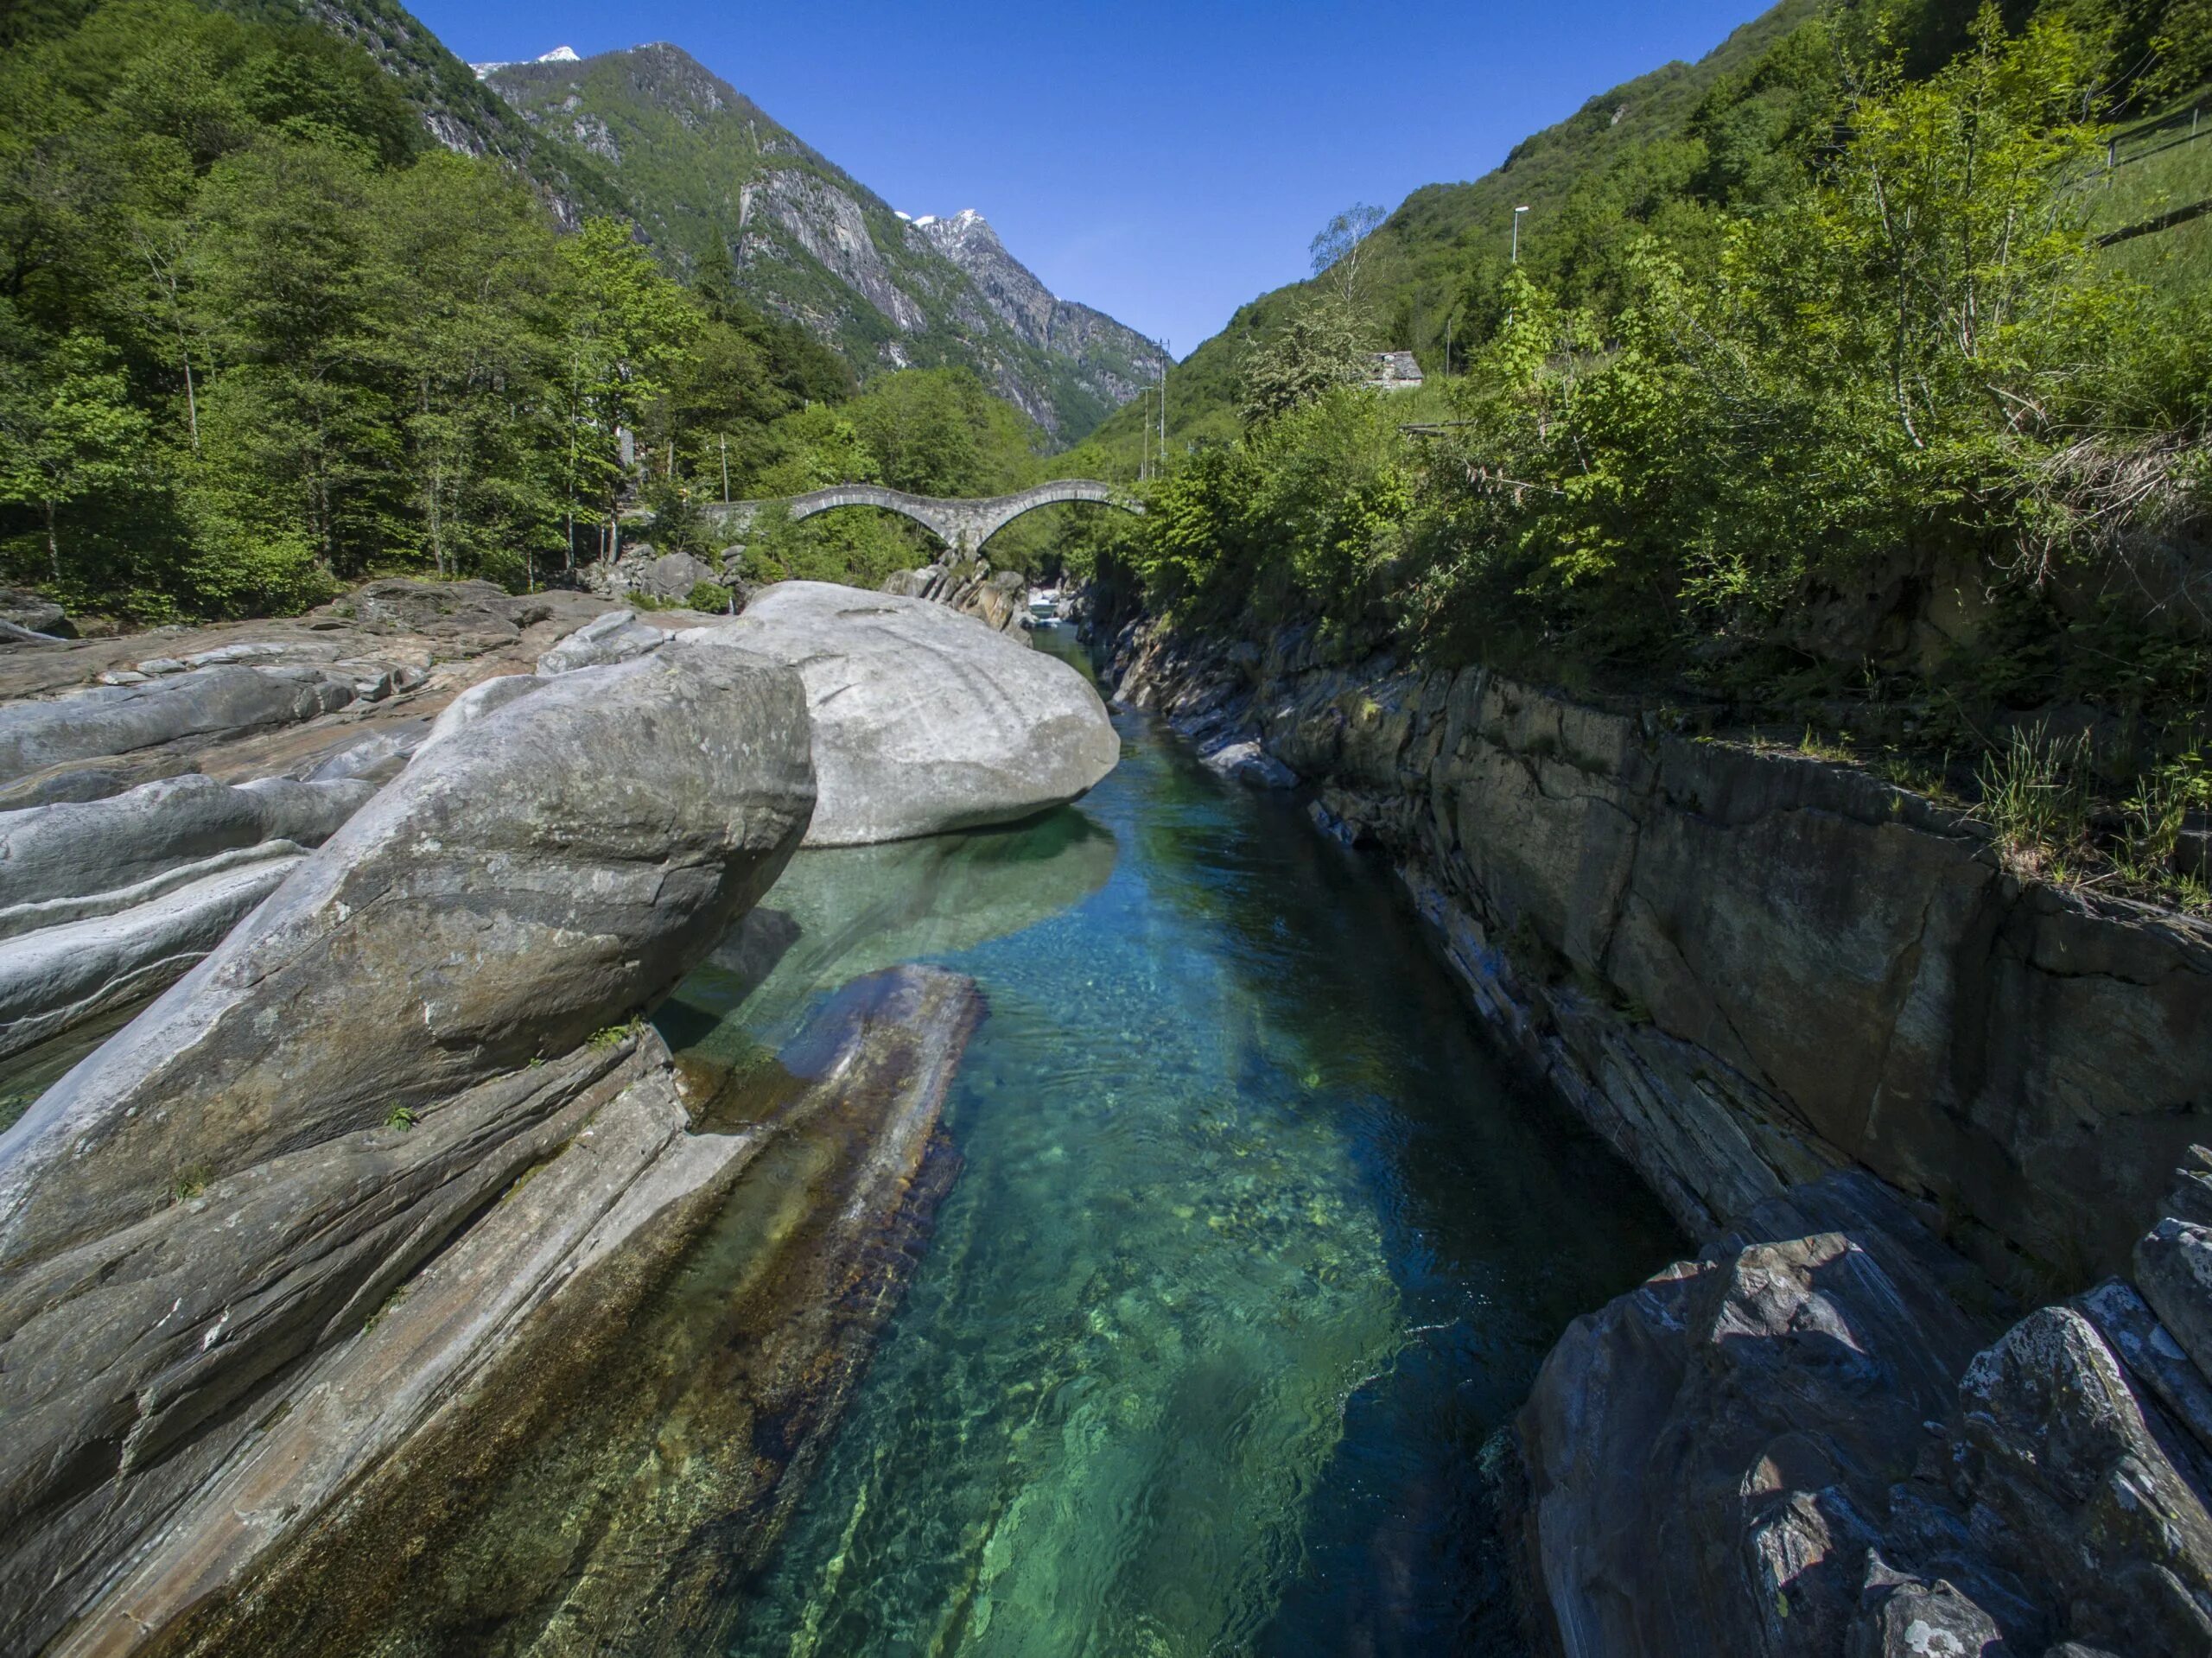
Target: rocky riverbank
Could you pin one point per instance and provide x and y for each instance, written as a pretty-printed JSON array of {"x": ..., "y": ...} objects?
[
  {"x": 396, "y": 1151},
  {"x": 1766, "y": 980}
]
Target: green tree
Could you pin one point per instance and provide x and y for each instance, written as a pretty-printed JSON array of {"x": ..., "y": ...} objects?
[
  {"x": 1321, "y": 347},
  {"x": 466, "y": 319},
  {"x": 72, "y": 433},
  {"x": 627, "y": 330}
]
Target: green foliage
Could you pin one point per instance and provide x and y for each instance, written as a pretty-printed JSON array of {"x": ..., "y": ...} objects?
[
  {"x": 402, "y": 1118},
  {"x": 258, "y": 338},
  {"x": 610, "y": 1036},
  {"x": 1322, "y": 347},
  {"x": 2035, "y": 796}
]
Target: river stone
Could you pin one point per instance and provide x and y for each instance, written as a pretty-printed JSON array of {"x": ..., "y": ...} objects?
[
  {"x": 97, "y": 958},
  {"x": 480, "y": 701},
  {"x": 2074, "y": 1491},
  {"x": 672, "y": 575},
  {"x": 33, "y": 613},
  {"x": 574, "y": 853},
  {"x": 616, "y": 636},
  {"x": 67, "y": 851},
  {"x": 379, "y": 755},
  {"x": 925, "y": 720},
  {"x": 117, "y": 720}
]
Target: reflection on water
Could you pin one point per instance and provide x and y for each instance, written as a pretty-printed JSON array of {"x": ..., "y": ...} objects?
[{"x": 1255, "y": 1248}]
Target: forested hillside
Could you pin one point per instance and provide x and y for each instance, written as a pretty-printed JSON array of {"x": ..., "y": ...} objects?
[
  {"x": 260, "y": 336},
  {"x": 1848, "y": 391},
  {"x": 1668, "y": 156}
]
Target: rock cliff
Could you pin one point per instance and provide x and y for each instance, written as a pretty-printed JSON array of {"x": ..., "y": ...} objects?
[{"x": 1766, "y": 980}]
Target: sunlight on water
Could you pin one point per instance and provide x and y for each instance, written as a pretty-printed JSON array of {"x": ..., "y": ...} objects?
[{"x": 1253, "y": 1249}]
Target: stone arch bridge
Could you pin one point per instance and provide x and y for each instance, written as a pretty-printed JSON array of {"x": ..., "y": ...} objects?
[{"x": 962, "y": 525}]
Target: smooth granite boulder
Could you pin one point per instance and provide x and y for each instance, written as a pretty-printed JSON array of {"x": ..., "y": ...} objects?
[
  {"x": 576, "y": 851},
  {"x": 616, "y": 636},
  {"x": 925, "y": 720},
  {"x": 121, "y": 719},
  {"x": 107, "y": 901},
  {"x": 427, "y": 1009}
]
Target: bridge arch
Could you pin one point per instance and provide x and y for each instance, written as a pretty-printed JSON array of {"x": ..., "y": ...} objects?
[{"x": 962, "y": 525}]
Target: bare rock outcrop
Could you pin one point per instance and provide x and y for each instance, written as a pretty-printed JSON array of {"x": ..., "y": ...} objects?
[
  {"x": 106, "y": 902},
  {"x": 232, "y": 1186},
  {"x": 969, "y": 586},
  {"x": 1792, "y": 1446}
]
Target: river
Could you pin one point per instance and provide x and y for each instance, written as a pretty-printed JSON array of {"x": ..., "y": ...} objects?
[{"x": 1254, "y": 1250}]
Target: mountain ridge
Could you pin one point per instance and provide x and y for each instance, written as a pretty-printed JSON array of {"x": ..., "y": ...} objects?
[
  {"x": 650, "y": 135},
  {"x": 706, "y": 171}
]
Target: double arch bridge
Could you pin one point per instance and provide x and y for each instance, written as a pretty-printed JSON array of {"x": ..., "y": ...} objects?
[{"x": 962, "y": 525}]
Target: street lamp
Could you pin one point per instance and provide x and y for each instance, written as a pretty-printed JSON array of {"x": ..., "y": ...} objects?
[{"x": 1517, "y": 211}]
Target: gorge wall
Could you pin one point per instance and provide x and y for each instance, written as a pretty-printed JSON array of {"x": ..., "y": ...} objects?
[
  {"x": 1760, "y": 976},
  {"x": 1744, "y": 969}
]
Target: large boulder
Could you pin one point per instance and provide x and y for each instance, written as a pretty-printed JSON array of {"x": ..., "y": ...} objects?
[
  {"x": 673, "y": 576},
  {"x": 925, "y": 720},
  {"x": 577, "y": 850},
  {"x": 236, "y": 1182}
]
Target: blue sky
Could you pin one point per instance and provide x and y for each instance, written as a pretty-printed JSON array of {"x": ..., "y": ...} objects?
[{"x": 1163, "y": 163}]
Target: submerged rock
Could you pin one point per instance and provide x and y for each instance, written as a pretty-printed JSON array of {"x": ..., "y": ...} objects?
[
  {"x": 635, "y": 1447},
  {"x": 925, "y": 721},
  {"x": 235, "y": 1181}
]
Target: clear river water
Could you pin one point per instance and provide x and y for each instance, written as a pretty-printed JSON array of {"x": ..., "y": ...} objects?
[{"x": 1254, "y": 1251}]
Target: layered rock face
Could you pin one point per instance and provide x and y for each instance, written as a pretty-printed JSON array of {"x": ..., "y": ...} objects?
[
  {"x": 1744, "y": 969},
  {"x": 535, "y": 1479},
  {"x": 924, "y": 720},
  {"x": 1758, "y": 977},
  {"x": 154, "y": 789},
  {"x": 110, "y": 900},
  {"x": 1800, "y": 1443},
  {"x": 214, "y": 1204}
]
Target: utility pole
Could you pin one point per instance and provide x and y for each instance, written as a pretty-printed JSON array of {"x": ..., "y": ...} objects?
[
  {"x": 1168, "y": 351},
  {"x": 1144, "y": 431},
  {"x": 1447, "y": 346},
  {"x": 725, "y": 469},
  {"x": 1517, "y": 211}
]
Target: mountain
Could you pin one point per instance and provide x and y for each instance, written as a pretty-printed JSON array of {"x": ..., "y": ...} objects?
[
  {"x": 1122, "y": 360},
  {"x": 456, "y": 108},
  {"x": 652, "y": 135},
  {"x": 705, "y": 171}
]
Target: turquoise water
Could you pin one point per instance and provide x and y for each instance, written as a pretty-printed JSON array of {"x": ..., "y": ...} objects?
[{"x": 1254, "y": 1250}]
